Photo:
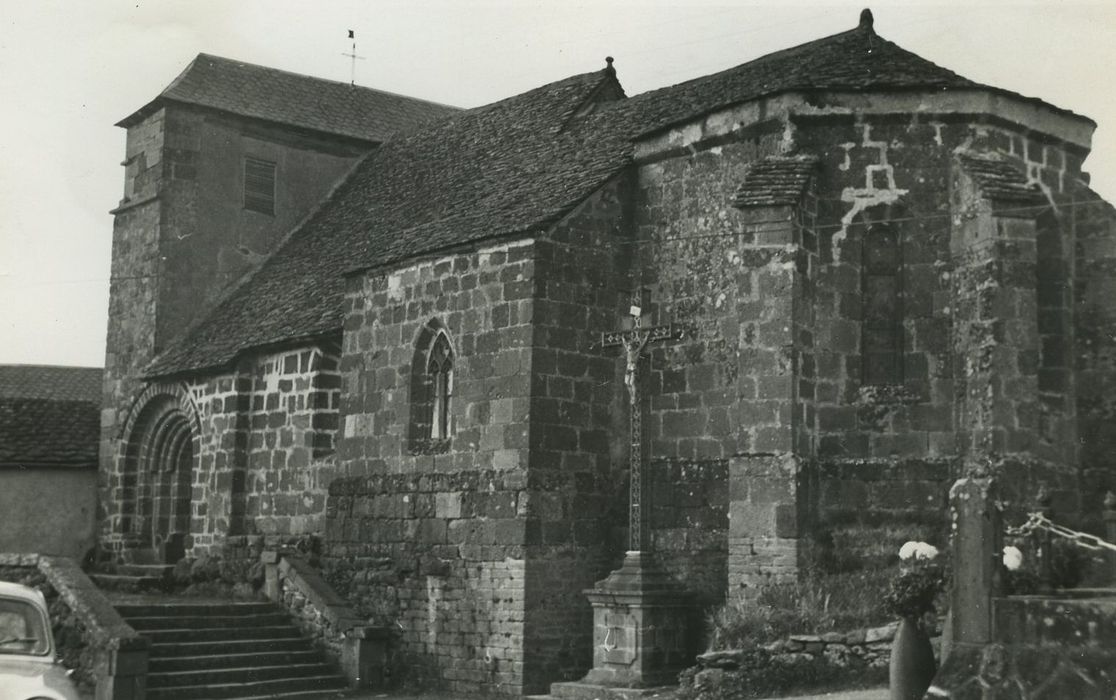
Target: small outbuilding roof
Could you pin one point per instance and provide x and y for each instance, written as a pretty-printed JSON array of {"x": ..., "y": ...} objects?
[{"x": 49, "y": 416}]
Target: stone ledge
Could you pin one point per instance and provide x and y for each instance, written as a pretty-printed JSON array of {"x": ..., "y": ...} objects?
[
  {"x": 106, "y": 627},
  {"x": 318, "y": 593},
  {"x": 113, "y": 656}
]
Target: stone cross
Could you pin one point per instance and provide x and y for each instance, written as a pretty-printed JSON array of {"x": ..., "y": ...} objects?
[{"x": 634, "y": 341}]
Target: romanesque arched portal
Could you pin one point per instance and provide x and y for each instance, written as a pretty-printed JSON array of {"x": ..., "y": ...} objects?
[{"x": 157, "y": 479}]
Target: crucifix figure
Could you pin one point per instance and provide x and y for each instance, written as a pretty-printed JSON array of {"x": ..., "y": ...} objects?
[{"x": 634, "y": 341}]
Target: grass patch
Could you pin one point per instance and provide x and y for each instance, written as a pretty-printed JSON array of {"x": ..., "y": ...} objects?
[{"x": 814, "y": 605}]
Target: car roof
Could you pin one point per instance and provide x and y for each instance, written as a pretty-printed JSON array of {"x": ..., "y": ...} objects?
[{"x": 15, "y": 590}]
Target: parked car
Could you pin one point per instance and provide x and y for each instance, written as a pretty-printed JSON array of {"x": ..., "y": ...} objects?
[{"x": 28, "y": 667}]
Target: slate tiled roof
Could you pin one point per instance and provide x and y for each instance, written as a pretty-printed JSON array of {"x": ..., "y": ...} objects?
[
  {"x": 775, "y": 181},
  {"x": 509, "y": 168},
  {"x": 51, "y": 382},
  {"x": 505, "y": 168},
  {"x": 999, "y": 180},
  {"x": 49, "y": 416},
  {"x": 858, "y": 59},
  {"x": 298, "y": 100}
]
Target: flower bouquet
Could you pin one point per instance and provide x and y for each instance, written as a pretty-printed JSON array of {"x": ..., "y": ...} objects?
[{"x": 921, "y": 578}]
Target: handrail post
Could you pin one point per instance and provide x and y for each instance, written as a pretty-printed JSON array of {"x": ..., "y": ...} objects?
[{"x": 1044, "y": 543}]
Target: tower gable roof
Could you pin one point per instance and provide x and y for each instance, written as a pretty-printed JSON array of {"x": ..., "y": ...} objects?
[{"x": 303, "y": 101}]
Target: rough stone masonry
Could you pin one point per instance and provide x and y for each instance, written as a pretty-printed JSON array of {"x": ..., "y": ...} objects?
[{"x": 893, "y": 275}]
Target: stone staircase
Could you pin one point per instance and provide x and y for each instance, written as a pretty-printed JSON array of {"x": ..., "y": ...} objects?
[{"x": 228, "y": 650}]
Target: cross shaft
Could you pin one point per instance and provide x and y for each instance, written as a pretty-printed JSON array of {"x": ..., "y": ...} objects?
[{"x": 634, "y": 341}]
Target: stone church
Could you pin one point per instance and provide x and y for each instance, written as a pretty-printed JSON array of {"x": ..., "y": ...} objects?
[{"x": 403, "y": 331}]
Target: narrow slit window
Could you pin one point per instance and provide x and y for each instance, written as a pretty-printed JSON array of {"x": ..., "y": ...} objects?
[
  {"x": 882, "y": 325},
  {"x": 259, "y": 186}
]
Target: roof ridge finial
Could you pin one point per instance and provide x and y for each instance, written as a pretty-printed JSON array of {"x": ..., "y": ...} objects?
[
  {"x": 866, "y": 19},
  {"x": 608, "y": 68}
]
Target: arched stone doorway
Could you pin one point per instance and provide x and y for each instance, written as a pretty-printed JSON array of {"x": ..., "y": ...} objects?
[{"x": 158, "y": 478}]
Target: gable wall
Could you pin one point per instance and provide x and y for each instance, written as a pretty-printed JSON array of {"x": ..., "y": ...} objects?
[{"x": 434, "y": 539}]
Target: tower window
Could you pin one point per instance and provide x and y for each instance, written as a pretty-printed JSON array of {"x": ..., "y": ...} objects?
[
  {"x": 259, "y": 186},
  {"x": 882, "y": 325}
]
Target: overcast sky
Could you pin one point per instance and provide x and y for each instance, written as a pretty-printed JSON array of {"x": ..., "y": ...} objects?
[{"x": 70, "y": 70}]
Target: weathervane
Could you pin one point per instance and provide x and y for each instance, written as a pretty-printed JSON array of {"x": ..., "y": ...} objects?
[{"x": 352, "y": 55}]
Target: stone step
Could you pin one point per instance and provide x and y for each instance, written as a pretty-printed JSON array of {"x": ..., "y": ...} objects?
[
  {"x": 129, "y": 610},
  {"x": 160, "y": 571},
  {"x": 575, "y": 690},
  {"x": 300, "y": 695},
  {"x": 248, "y": 674},
  {"x": 167, "y": 664},
  {"x": 283, "y": 687},
  {"x": 236, "y": 646},
  {"x": 268, "y": 619},
  {"x": 125, "y": 582},
  {"x": 222, "y": 634}
]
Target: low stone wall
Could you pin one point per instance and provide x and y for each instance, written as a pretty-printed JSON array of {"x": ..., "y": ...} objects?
[
  {"x": 361, "y": 651},
  {"x": 833, "y": 660},
  {"x": 318, "y": 611},
  {"x": 92, "y": 638}
]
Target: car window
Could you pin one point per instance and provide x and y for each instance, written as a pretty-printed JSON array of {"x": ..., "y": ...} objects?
[{"x": 22, "y": 628}]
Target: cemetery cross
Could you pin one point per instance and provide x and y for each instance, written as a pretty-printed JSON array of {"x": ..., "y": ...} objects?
[{"x": 634, "y": 341}]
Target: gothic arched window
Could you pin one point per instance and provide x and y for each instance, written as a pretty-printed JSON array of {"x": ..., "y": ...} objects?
[
  {"x": 432, "y": 370},
  {"x": 439, "y": 366},
  {"x": 882, "y": 324}
]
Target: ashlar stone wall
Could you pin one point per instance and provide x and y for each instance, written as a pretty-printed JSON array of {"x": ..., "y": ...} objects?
[
  {"x": 262, "y": 458},
  {"x": 450, "y": 516},
  {"x": 491, "y": 534}
]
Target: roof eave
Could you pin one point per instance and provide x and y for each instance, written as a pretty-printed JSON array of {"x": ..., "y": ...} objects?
[{"x": 1077, "y": 130}]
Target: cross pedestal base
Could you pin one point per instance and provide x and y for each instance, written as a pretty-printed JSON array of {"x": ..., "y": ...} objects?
[{"x": 644, "y": 631}]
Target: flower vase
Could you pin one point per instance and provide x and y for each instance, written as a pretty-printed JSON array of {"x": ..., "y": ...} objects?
[{"x": 912, "y": 666}]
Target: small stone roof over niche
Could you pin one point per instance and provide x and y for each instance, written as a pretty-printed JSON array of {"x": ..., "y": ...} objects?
[
  {"x": 49, "y": 416},
  {"x": 999, "y": 180},
  {"x": 298, "y": 100},
  {"x": 775, "y": 181}
]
